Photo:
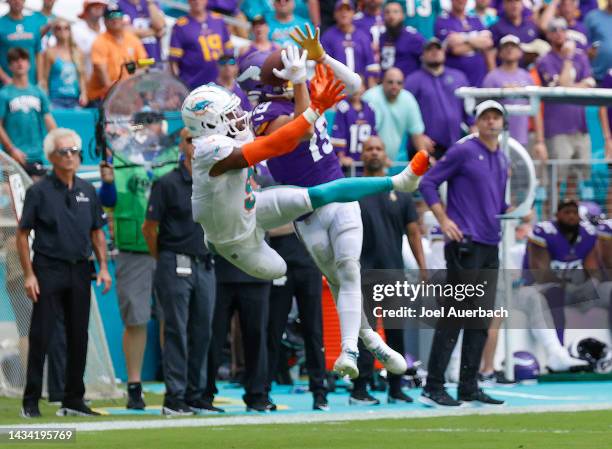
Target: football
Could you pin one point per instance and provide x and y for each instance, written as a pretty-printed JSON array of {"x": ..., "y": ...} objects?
[{"x": 273, "y": 61}]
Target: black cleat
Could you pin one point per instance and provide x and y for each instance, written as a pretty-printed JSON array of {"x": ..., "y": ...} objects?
[
  {"x": 30, "y": 411},
  {"x": 438, "y": 398},
  {"x": 399, "y": 396},
  {"x": 320, "y": 402},
  {"x": 497, "y": 378},
  {"x": 480, "y": 397},
  {"x": 200, "y": 407},
  {"x": 362, "y": 398},
  {"x": 176, "y": 408},
  {"x": 135, "y": 397},
  {"x": 76, "y": 409}
]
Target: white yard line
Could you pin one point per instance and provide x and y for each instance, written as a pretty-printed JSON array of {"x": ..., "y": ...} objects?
[{"x": 303, "y": 418}]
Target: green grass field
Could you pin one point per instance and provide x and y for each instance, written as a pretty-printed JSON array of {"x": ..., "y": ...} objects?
[{"x": 572, "y": 430}]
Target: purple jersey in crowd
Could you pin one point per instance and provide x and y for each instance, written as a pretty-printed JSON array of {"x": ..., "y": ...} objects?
[
  {"x": 441, "y": 109},
  {"x": 474, "y": 200},
  {"x": 565, "y": 257},
  {"x": 527, "y": 31},
  {"x": 373, "y": 25},
  {"x": 141, "y": 19},
  {"x": 196, "y": 47},
  {"x": 311, "y": 163},
  {"x": 578, "y": 33},
  {"x": 473, "y": 65},
  {"x": 517, "y": 124},
  {"x": 352, "y": 128},
  {"x": 403, "y": 52},
  {"x": 352, "y": 49},
  {"x": 229, "y": 7},
  {"x": 563, "y": 118}
]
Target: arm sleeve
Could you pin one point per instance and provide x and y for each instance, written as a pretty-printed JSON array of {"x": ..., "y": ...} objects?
[
  {"x": 3, "y": 106},
  {"x": 30, "y": 210},
  {"x": 176, "y": 46},
  {"x": 444, "y": 169},
  {"x": 45, "y": 105},
  {"x": 156, "y": 207},
  {"x": 98, "y": 51},
  {"x": 538, "y": 236},
  {"x": 99, "y": 217},
  {"x": 414, "y": 124},
  {"x": 108, "y": 194}
]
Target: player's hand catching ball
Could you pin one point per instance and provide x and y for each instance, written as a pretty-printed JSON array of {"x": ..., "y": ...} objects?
[
  {"x": 294, "y": 69},
  {"x": 309, "y": 42},
  {"x": 325, "y": 89}
]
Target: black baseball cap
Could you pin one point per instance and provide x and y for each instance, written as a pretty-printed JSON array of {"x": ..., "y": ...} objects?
[
  {"x": 258, "y": 19},
  {"x": 566, "y": 202}
]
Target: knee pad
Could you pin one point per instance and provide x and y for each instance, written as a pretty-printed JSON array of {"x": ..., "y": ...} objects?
[{"x": 349, "y": 272}]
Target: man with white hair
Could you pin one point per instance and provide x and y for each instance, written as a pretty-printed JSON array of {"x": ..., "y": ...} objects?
[{"x": 64, "y": 212}]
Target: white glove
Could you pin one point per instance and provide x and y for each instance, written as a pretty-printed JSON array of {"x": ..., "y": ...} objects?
[{"x": 294, "y": 66}]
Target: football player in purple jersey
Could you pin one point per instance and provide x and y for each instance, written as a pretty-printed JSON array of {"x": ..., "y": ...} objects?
[
  {"x": 560, "y": 258},
  {"x": 333, "y": 235}
]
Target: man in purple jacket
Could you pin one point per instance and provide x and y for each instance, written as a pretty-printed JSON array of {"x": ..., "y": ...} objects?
[{"x": 476, "y": 171}]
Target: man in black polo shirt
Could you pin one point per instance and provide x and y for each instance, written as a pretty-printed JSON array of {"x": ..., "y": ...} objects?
[
  {"x": 185, "y": 285},
  {"x": 386, "y": 218},
  {"x": 64, "y": 212}
]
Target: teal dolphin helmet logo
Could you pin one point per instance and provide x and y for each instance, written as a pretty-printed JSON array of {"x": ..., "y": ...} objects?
[{"x": 199, "y": 107}]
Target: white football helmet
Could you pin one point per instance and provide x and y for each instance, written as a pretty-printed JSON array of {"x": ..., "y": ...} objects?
[{"x": 214, "y": 110}]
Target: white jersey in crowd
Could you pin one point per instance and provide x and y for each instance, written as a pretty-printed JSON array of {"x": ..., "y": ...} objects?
[{"x": 224, "y": 205}]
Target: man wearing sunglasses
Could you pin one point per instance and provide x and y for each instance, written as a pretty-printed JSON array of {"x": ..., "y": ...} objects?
[{"x": 67, "y": 218}]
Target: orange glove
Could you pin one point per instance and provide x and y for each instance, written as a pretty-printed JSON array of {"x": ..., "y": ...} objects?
[
  {"x": 420, "y": 163},
  {"x": 325, "y": 89}
]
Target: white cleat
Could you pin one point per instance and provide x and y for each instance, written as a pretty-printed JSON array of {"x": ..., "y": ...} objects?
[
  {"x": 562, "y": 361},
  {"x": 346, "y": 364},
  {"x": 408, "y": 179},
  {"x": 392, "y": 360}
]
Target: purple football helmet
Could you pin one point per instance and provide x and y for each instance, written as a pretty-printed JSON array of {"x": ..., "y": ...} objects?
[
  {"x": 526, "y": 366},
  {"x": 249, "y": 79}
]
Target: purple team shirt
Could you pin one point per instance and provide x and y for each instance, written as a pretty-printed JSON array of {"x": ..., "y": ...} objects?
[
  {"x": 563, "y": 118},
  {"x": 141, "y": 19},
  {"x": 352, "y": 128},
  {"x": 373, "y": 25},
  {"x": 563, "y": 254},
  {"x": 441, "y": 109},
  {"x": 527, "y": 31},
  {"x": 473, "y": 65},
  {"x": 476, "y": 188},
  {"x": 352, "y": 49},
  {"x": 196, "y": 47},
  {"x": 517, "y": 124},
  {"x": 578, "y": 33},
  {"x": 311, "y": 163},
  {"x": 403, "y": 53}
]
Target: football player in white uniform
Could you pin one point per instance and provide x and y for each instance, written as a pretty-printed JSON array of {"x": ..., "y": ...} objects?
[{"x": 223, "y": 199}]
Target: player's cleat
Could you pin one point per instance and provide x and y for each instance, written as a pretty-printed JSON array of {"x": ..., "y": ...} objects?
[
  {"x": 495, "y": 378},
  {"x": 135, "y": 397},
  {"x": 176, "y": 408},
  {"x": 76, "y": 409},
  {"x": 561, "y": 361},
  {"x": 408, "y": 180},
  {"x": 392, "y": 360},
  {"x": 320, "y": 402},
  {"x": 479, "y": 397},
  {"x": 346, "y": 364},
  {"x": 399, "y": 397},
  {"x": 362, "y": 398},
  {"x": 30, "y": 411},
  {"x": 200, "y": 407},
  {"x": 259, "y": 404},
  {"x": 438, "y": 398}
]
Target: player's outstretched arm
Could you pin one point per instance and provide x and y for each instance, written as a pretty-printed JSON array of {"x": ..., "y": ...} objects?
[
  {"x": 325, "y": 92},
  {"x": 311, "y": 42}
]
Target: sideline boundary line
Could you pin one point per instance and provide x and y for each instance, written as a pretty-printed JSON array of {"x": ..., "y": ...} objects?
[{"x": 303, "y": 418}]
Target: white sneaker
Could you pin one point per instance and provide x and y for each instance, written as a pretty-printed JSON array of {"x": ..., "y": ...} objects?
[
  {"x": 562, "y": 361},
  {"x": 346, "y": 364},
  {"x": 392, "y": 360}
]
